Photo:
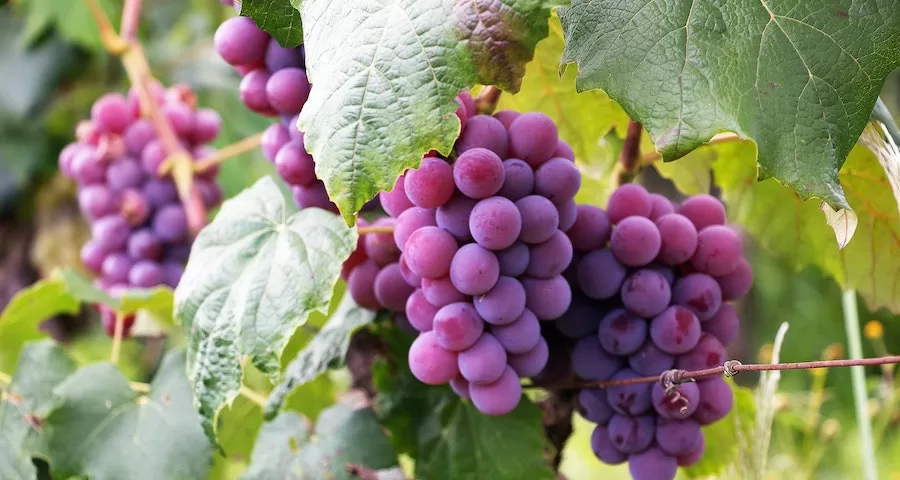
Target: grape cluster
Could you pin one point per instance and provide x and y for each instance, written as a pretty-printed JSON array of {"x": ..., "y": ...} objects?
[
  {"x": 139, "y": 229},
  {"x": 482, "y": 242},
  {"x": 274, "y": 84},
  {"x": 652, "y": 281}
]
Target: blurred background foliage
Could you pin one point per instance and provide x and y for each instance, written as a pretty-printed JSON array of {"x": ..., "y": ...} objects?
[{"x": 52, "y": 67}]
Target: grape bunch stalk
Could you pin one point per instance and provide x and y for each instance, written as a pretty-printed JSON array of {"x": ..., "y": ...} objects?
[
  {"x": 139, "y": 229},
  {"x": 651, "y": 283}
]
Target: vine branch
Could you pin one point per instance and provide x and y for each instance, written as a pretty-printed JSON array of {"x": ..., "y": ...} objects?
[
  {"x": 487, "y": 99},
  {"x": 118, "y": 332},
  {"x": 729, "y": 369},
  {"x": 370, "y": 229},
  {"x": 131, "y": 15},
  {"x": 629, "y": 156},
  {"x": 237, "y": 148}
]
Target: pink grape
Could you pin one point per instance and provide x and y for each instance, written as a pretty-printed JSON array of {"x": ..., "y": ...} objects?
[
  {"x": 635, "y": 241},
  {"x": 457, "y": 326},
  {"x": 513, "y": 259},
  {"x": 550, "y": 258},
  {"x": 737, "y": 283},
  {"x": 678, "y": 239},
  {"x": 518, "y": 179},
  {"x": 703, "y": 211},
  {"x": 678, "y": 437},
  {"x": 253, "y": 92},
  {"x": 591, "y": 362},
  {"x": 495, "y": 223},
  {"x": 676, "y": 330},
  {"x": 698, "y": 292},
  {"x": 724, "y": 325},
  {"x": 680, "y": 404},
  {"x": 483, "y": 131},
  {"x": 391, "y": 290},
  {"x": 649, "y": 360},
  {"x": 646, "y": 293},
  {"x": 395, "y": 201},
  {"x": 708, "y": 353},
  {"x": 564, "y": 150},
  {"x": 287, "y": 90},
  {"x": 453, "y": 216},
  {"x": 521, "y": 335},
  {"x": 621, "y": 332},
  {"x": 506, "y": 117},
  {"x": 431, "y": 185},
  {"x": 604, "y": 449},
  {"x": 361, "y": 284},
  {"x": 532, "y": 362},
  {"x": 441, "y": 292},
  {"x": 593, "y": 405},
  {"x": 558, "y": 179},
  {"x": 431, "y": 363},
  {"x": 474, "y": 270},
  {"x": 484, "y": 362},
  {"x": 718, "y": 251},
  {"x": 547, "y": 298},
  {"x": 716, "y": 400},
  {"x": 659, "y": 206},
  {"x": 430, "y": 252},
  {"x": 533, "y": 138},
  {"x": 633, "y": 399},
  {"x": 420, "y": 312},
  {"x": 500, "y": 397},
  {"x": 240, "y": 42},
  {"x": 600, "y": 275},
  {"x": 627, "y": 201},
  {"x": 568, "y": 213},
  {"x": 591, "y": 229},
  {"x": 631, "y": 434},
  {"x": 411, "y": 220},
  {"x": 539, "y": 219},
  {"x": 478, "y": 173},
  {"x": 503, "y": 303}
]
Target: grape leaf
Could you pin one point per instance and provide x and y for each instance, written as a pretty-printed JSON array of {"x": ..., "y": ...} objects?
[
  {"x": 725, "y": 437},
  {"x": 797, "y": 77},
  {"x": 324, "y": 351},
  {"x": 23, "y": 315},
  {"x": 278, "y": 18},
  {"x": 41, "y": 366},
  {"x": 106, "y": 431},
  {"x": 447, "y": 436},
  {"x": 288, "y": 448},
  {"x": 796, "y": 230},
  {"x": 157, "y": 300},
  {"x": 73, "y": 20},
  {"x": 385, "y": 74},
  {"x": 254, "y": 275}
]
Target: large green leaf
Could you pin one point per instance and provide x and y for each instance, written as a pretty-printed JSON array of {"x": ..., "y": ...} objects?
[
  {"x": 725, "y": 437},
  {"x": 448, "y": 437},
  {"x": 385, "y": 74},
  {"x": 106, "y": 431},
  {"x": 24, "y": 404},
  {"x": 278, "y": 18},
  {"x": 326, "y": 350},
  {"x": 798, "y": 77},
  {"x": 72, "y": 19},
  {"x": 20, "y": 320},
  {"x": 156, "y": 300},
  {"x": 288, "y": 448},
  {"x": 254, "y": 276}
]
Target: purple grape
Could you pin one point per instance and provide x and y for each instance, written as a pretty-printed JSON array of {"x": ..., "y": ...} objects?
[
  {"x": 678, "y": 405},
  {"x": 181, "y": 118},
  {"x": 420, "y": 312},
  {"x": 361, "y": 284},
  {"x": 652, "y": 464},
  {"x": 635, "y": 241},
  {"x": 313, "y": 196},
  {"x": 395, "y": 201},
  {"x": 621, "y": 333},
  {"x": 160, "y": 192},
  {"x": 116, "y": 267},
  {"x": 568, "y": 213},
  {"x": 591, "y": 362},
  {"x": 152, "y": 157},
  {"x": 430, "y": 252},
  {"x": 441, "y": 292},
  {"x": 703, "y": 211},
  {"x": 513, "y": 259},
  {"x": 593, "y": 405},
  {"x": 294, "y": 165},
  {"x": 453, "y": 216},
  {"x": 207, "y": 125},
  {"x": 519, "y": 336},
  {"x": 649, "y": 360},
  {"x": 134, "y": 208},
  {"x": 600, "y": 275},
  {"x": 391, "y": 290},
  {"x": 708, "y": 353},
  {"x": 694, "y": 456},
  {"x": 631, "y": 434},
  {"x": 483, "y": 131},
  {"x": 518, "y": 179},
  {"x": 144, "y": 245},
  {"x": 411, "y": 278},
  {"x": 484, "y": 362},
  {"x": 603, "y": 448},
  {"x": 138, "y": 135},
  {"x": 210, "y": 192},
  {"x": 503, "y": 303},
  {"x": 172, "y": 272},
  {"x": 718, "y": 251},
  {"x": 457, "y": 326},
  {"x": 293, "y": 129},
  {"x": 698, "y": 292},
  {"x": 533, "y": 138},
  {"x": 252, "y": 91},
  {"x": 279, "y": 58},
  {"x": 678, "y": 239},
  {"x": 646, "y": 293},
  {"x": 411, "y": 220},
  {"x": 659, "y": 206},
  {"x": 676, "y": 330},
  {"x": 66, "y": 157},
  {"x": 431, "y": 363},
  {"x": 716, "y": 400},
  {"x": 591, "y": 229},
  {"x": 724, "y": 325},
  {"x": 558, "y": 179},
  {"x": 170, "y": 223},
  {"x": 737, "y": 283},
  {"x": 564, "y": 150},
  {"x": 177, "y": 253},
  {"x": 274, "y": 137},
  {"x": 539, "y": 218},
  {"x": 500, "y": 397},
  {"x": 460, "y": 386},
  {"x": 532, "y": 362},
  {"x": 93, "y": 255},
  {"x": 478, "y": 173},
  {"x": 431, "y": 185},
  {"x": 495, "y": 223},
  {"x": 111, "y": 113},
  {"x": 581, "y": 319},
  {"x": 239, "y": 42},
  {"x": 96, "y": 201},
  {"x": 145, "y": 274},
  {"x": 111, "y": 232},
  {"x": 88, "y": 167},
  {"x": 124, "y": 173},
  {"x": 678, "y": 437},
  {"x": 547, "y": 298},
  {"x": 287, "y": 90},
  {"x": 506, "y": 117},
  {"x": 550, "y": 258},
  {"x": 474, "y": 270},
  {"x": 633, "y": 399},
  {"x": 627, "y": 201}
]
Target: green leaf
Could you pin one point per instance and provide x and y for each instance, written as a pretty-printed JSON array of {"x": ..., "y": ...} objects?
[
  {"x": 73, "y": 19},
  {"x": 254, "y": 276},
  {"x": 725, "y": 437},
  {"x": 106, "y": 431},
  {"x": 23, "y": 315},
  {"x": 278, "y": 18},
  {"x": 158, "y": 301},
  {"x": 41, "y": 367},
  {"x": 385, "y": 75},
  {"x": 326, "y": 350},
  {"x": 448, "y": 437},
  {"x": 288, "y": 448},
  {"x": 798, "y": 78}
]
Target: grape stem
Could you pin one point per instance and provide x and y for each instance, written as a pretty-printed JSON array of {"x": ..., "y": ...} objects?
[
  {"x": 140, "y": 387},
  {"x": 112, "y": 42},
  {"x": 237, "y": 148},
  {"x": 131, "y": 15},
  {"x": 729, "y": 368},
  {"x": 254, "y": 396},
  {"x": 628, "y": 165},
  {"x": 370, "y": 229},
  {"x": 118, "y": 332},
  {"x": 487, "y": 99}
]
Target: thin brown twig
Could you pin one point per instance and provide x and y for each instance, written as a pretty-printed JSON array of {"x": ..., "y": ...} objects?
[
  {"x": 237, "y": 148},
  {"x": 118, "y": 333},
  {"x": 628, "y": 165},
  {"x": 732, "y": 366},
  {"x": 369, "y": 229},
  {"x": 487, "y": 99},
  {"x": 112, "y": 42}
]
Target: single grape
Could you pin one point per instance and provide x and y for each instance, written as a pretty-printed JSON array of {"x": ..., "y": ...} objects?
[
  {"x": 550, "y": 258},
  {"x": 160, "y": 192},
  {"x": 564, "y": 150},
  {"x": 66, "y": 157},
  {"x": 506, "y": 117},
  {"x": 603, "y": 448},
  {"x": 646, "y": 293},
  {"x": 539, "y": 218},
  {"x": 431, "y": 185},
  {"x": 96, "y": 201},
  {"x": 144, "y": 245},
  {"x": 694, "y": 456},
  {"x": 441, "y": 292},
  {"x": 170, "y": 223},
  {"x": 93, "y": 255},
  {"x": 380, "y": 246},
  {"x": 593, "y": 405},
  {"x": 500, "y": 397},
  {"x": 207, "y": 125},
  {"x": 678, "y": 437},
  {"x": 635, "y": 241},
  {"x": 88, "y": 167},
  {"x": 676, "y": 330},
  {"x": 663, "y": 270},
  {"x": 145, "y": 274},
  {"x": 287, "y": 90},
  {"x": 677, "y": 405},
  {"x": 591, "y": 362},
  {"x": 361, "y": 284},
  {"x": 124, "y": 173},
  {"x": 679, "y": 239},
  {"x": 133, "y": 207},
  {"x": 395, "y": 201},
  {"x": 468, "y": 103},
  {"x": 181, "y": 118},
  {"x": 391, "y": 290},
  {"x": 457, "y": 326},
  {"x": 313, "y": 195},
  {"x": 240, "y": 42},
  {"x": 628, "y": 200},
  {"x": 649, "y": 360},
  {"x": 478, "y": 173},
  {"x": 483, "y": 131},
  {"x": 547, "y": 298},
  {"x": 703, "y": 211},
  {"x": 411, "y": 220},
  {"x": 280, "y": 58},
  {"x": 708, "y": 353},
  {"x": 716, "y": 400},
  {"x": 568, "y": 213},
  {"x": 431, "y": 363},
  {"x": 631, "y": 434},
  {"x": 138, "y": 135},
  {"x": 532, "y": 362},
  {"x": 252, "y": 91},
  {"x": 558, "y": 179},
  {"x": 474, "y": 270},
  {"x": 495, "y": 223},
  {"x": 698, "y": 292},
  {"x": 503, "y": 303},
  {"x": 521, "y": 335},
  {"x": 533, "y": 138},
  {"x": 409, "y": 276},
  {"x": 600, "y": 275},
  {"x": 632, "y": 399},
  {"x": 294, "y": 165},
  {"x": 152, "y": 157},
  {"x": 453, "y": 216},
  {"x": 737, "y": 283},
  {"x": 179, "y": 252},
  {"x": 420, "y": 312},
  {"x": 430, "y": 251},
  {"x": 116, "y": 267},
  {"x": 111, "y": 232},
  {"x": 518, "y": 179},
  {"x": 210, "y": 192},
  {"x": 513, "y": 259},
  {"x": 460, "y": 386},
  {"x": 718, "y": 251},
  {"x": 581, "y": 319},
  {"x": 659, "y": 206},
  {"x": 591, "y": 229},
  {"x": 484, "y": 362},
  {"x": 273, "y": 138},
  {"x": 724, "y": 325},
  {"x": 111, "y": 113},
  {"x": 652, "y": 464},
  {"x": 621, "y": 332}
]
